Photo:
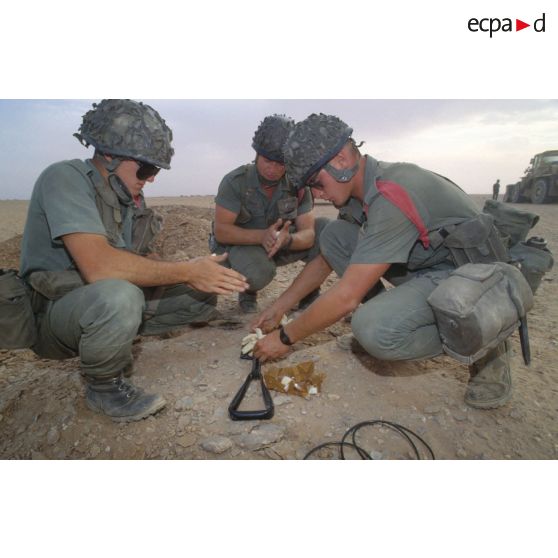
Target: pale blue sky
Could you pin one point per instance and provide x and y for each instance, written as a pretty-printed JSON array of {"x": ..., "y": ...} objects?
[{"x": 471, "y": 141}]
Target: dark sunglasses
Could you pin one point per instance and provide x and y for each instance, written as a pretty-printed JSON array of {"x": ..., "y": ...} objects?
[{"x": 146, "y": 170}]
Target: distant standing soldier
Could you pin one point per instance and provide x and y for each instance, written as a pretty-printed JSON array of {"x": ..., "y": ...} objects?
[
  {"x": 86, "y": 252},
  {"x": 496, "y": 189},
  {"x": 261, "y": 219}
]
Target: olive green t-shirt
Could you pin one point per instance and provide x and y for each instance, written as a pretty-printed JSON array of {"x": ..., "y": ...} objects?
[
  {"x": 63, "y": 202},
  {"x": 388, "y": 236},
  {"x": 241, "y": 193}
]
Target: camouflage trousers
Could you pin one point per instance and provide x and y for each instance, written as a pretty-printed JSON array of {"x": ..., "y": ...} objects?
[{"x": 99, "y": 322}]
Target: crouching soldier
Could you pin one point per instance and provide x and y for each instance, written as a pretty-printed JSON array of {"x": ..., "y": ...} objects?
[
  {"x": 261, "y": 219},
  {"x": 415, "y": 226},
  {"x": 86, "y": 253}
]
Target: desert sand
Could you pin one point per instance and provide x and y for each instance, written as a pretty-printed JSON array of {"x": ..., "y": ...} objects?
[{"x": 198, "y": 370}]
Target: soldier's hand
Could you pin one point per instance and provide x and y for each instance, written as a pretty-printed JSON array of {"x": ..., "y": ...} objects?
[
  {"x": 271, "y": 234},
  {"x": 270, "y": 348},
  {"x": 209, "y": 276},
  {"x": 267, "y": 321},
  {"x": 282, "y": 239}
]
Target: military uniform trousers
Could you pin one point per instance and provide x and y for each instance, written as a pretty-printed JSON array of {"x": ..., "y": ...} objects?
[
  {"x": 259, "y": 270},
  {"x": 99, "y": 322},
  {"x": 396, "y": 324}
]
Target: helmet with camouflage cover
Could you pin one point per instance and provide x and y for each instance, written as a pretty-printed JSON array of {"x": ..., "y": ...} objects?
[
  {"x": 271, "y": 135},
  {"x": 313, "y": 142},
  {"x": 125, "y": 128}
]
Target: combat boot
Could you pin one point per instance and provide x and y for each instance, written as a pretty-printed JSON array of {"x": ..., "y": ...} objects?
[
  {"x": 248, "y": 302},
  {"x": 120, "y": 400},
  {"x": 490, "y": 385},
  {"x": 309, "y": 299}
]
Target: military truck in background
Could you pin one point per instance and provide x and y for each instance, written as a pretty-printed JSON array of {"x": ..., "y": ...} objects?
[{"x": 540, "y": 183}]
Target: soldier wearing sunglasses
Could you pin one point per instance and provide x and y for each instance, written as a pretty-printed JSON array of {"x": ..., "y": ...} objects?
[{"x": 87, "y": 253}]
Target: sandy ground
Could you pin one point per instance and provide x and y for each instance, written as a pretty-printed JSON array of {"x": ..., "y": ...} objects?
[{"x": 43, "y": 415}]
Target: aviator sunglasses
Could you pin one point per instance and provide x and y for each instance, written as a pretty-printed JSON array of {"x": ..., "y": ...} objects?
[{"x": 145, "y": 170}]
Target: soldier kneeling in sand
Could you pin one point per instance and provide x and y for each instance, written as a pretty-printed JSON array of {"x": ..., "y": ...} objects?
[
  {"x": 261, "y": 220},
  {"x": 86, "y": 253}
]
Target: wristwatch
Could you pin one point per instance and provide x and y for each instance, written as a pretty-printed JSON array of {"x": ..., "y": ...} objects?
[{"x": 284, "y": 337}]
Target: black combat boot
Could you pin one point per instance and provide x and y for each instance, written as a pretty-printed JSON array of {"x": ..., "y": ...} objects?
[
  {"x": 309, "y": 299},
  {"x": 120, "y": 400},
  {"x": 248, "y": 302}
]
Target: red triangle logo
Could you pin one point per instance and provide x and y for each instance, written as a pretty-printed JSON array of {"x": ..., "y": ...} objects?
[{"x": 519, "y": 25}]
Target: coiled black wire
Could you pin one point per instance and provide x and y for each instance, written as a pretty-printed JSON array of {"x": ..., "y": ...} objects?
[{"x": 402, "y": 430}]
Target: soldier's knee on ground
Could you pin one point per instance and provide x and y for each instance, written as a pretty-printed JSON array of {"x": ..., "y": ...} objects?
[
  {"x": 377, "y": 339},
  {"x": 259, "y": 276}
]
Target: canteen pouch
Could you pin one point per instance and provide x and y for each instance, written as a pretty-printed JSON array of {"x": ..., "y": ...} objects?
[
  {"x": 17, "y": 320},
  {"x": 478, "y": 306}
]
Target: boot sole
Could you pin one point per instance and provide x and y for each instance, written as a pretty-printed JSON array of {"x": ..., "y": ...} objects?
[
  {"x": 486, "y": 405},
  {"x": 147, "y": 413}
]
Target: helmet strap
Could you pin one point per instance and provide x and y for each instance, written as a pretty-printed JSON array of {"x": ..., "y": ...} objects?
[{"x": 119, "y": 188}]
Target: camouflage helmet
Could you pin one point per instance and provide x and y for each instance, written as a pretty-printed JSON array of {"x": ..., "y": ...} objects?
[
  {"x": 313, "y": 142},
  {"x": 126, "y": 128},
  {"x": 271, "y": 135}
]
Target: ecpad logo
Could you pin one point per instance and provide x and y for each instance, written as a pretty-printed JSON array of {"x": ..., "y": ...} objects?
[{"x": 492, "y": 25}]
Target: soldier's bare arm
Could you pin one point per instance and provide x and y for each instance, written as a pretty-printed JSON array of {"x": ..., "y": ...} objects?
[
  {"x": 96, "y": 259},
  {"x": 226, "y": 232},
  {"x": 340, "y": 300}
]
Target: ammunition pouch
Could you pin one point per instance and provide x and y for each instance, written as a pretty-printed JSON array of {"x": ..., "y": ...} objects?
[
  {"x": 147, "y": 225},
  {"x": 476, "y": 241},
  {"x": 478, "y": 306},
  {"x": 512, "y": 223},
  {"x": 55, "y": 284},
  {"x": 17, "y": 319},
  {"x": 534, "y": 259},
  {"x": 212, "y": 241}
]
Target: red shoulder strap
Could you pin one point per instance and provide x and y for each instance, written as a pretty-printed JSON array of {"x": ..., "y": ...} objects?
[{"x": 398, "y": 196}]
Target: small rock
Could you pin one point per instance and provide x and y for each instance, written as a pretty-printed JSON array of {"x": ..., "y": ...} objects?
[
  {"x": 262, "y": 436},
  {"x": 432, "y": 409},
  {"x": 461, "y": 453},
  {"x": 216, "y": 444},
  {"x": 184, "y": 404},
  {"x": 333, "y": 397},
  {"x": 186, "y": 440},
  {"x": 376, "y": 454},
  {"x": 53, "y": 436},
  {"x": 459, "y": 415},
  {"x": 515, "y": 414},
  {"x": 280, "y": 399}
]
